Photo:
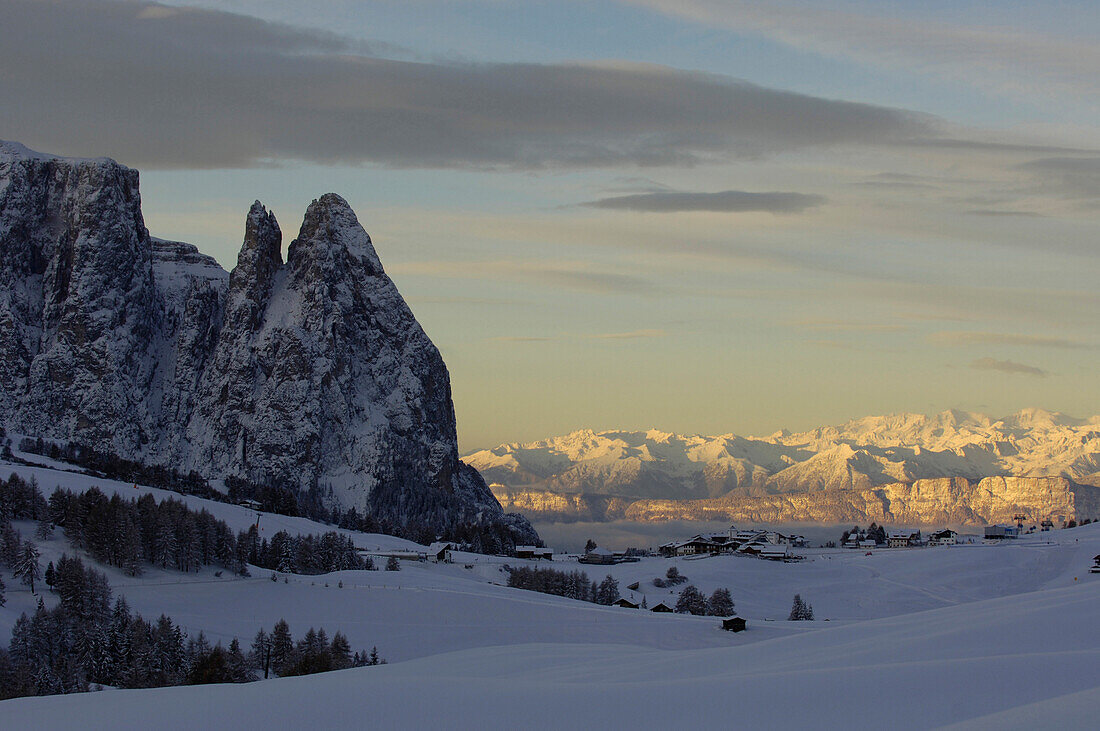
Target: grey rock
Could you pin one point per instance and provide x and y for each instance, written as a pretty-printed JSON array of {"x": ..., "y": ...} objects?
[{"x": 312, "y": 374}]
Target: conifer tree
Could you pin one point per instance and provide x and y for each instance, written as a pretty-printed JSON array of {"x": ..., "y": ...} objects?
[
  {"x": 27, "y": 565},
  {"x": 691, "y": 601},
  {"x": 720, "y": 603},
  {"x": 282, "y": 645}
]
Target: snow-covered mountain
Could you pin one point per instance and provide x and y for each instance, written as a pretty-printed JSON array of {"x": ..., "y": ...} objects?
[
  {"x": 311, "y": 373},
  {"x": 589, "y": 475}
]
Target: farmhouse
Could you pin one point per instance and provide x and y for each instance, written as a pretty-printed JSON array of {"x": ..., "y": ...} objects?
[
  {"x": 662, "y": 607},
  {"x": 625, "y": 603},
  {"x": 693, "y": 546},
  {"x": 774, "y": 553},
  {"x": 440, "y": 551},
  {"x": 599, "y": 556},
  {"x": 903, "y": 538},
  {"x": 535, "y": 552},
  {"x": 946, "y": 537}
]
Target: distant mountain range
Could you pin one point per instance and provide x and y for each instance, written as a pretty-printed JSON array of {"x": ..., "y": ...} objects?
[{"x": 956, "y": 467}]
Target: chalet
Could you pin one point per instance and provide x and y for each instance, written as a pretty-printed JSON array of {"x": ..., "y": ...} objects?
[
  {"x": 944, "y": 537},
  {"x": 752, "y": 549},
  {"x": 1095, "y": 565},
  {"x": 693, "y": 546},
  {"x": 440, "y": 551},
  {"x": 534, "y": 552},
  {"x": 774, "y": 553},
  {"x": 903, "y": 538},
  {"x": 868, "y": 544},
  {"x": 250, "y": 504},
  {"x": 598, "y": 556},
  {"x": 734, "y": 624},
  {"x": 625, "y": 603},
  {"x": 751, "y": 535},
  {"x": 662, "y": 607}
]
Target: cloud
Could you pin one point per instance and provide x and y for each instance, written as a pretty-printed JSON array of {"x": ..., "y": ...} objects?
[
  {"x": 984, "y": 55},
  {"x": 1068, "y": 177},
  {"x": 996, "y": 213},
  {"x": 1007, "y": 366},
  {"x": 988, "y": 338},
  {"x": 201, "y": 88},
  {"x": 632, "y": 335},
  {"x": 570, "y": 275},
  {"x": 520, "y": 339},
  {"x": 726, "y": 201},
  {"x": 827, "y": 325}
]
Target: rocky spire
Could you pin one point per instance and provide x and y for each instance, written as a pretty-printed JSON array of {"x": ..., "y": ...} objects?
[{"x": 260, "y": 258}]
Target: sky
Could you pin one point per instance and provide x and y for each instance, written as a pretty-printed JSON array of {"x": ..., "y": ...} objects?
[{"x": 701, "y": 216}]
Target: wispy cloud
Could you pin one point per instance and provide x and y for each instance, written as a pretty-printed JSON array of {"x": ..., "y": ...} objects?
[
  {"x": 1007, "y": 366},
  {"x": 726, "y": 201},
  {"x": 986, "y": 56},
  {"x": 992, "y": 338},
  {"x": 201, "y": 88},
  {"x": 1068, "y": 177},
  {"x": 521, "y": 339},
  {"x": 578, "y": 276},
  {"x": 829, "y": 325},
  {"x": 632, "y": 335}
]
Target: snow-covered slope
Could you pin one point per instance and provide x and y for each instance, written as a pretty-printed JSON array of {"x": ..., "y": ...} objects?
[
  {"x": 311, "y": 373},
  {"x": 613, "y": 474},
  {"x": 981, "y": 636}
]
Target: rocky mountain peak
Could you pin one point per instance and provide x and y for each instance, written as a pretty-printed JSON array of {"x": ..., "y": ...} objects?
[
  {"x": 312, "y": 375},
  {"x": 331, "y": 231}
]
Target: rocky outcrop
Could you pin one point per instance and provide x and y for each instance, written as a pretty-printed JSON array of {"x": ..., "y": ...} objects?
[{"x": 312, "y": 373}]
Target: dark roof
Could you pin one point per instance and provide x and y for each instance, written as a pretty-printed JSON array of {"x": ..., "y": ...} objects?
[
  {"x": 661, "y": 607},
  {"x": 734, "y": 624}
]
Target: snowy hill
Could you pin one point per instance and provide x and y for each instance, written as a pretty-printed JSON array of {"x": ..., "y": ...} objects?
[
  {"x": 596, "y": 475},
  {"x": 977, "y": 634},
  {"x": 311, "y": 373}
]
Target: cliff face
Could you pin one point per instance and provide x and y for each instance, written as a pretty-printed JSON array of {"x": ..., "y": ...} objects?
[{"x": 311, "y": 373}]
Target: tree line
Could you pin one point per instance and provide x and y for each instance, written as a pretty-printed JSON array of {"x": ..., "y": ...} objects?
[
  {"x": 569, "y": 584},
  {"x": 130, "y": 533},
  {"x": 272, "y": 498},
  {"x": 86, "y": 640}
]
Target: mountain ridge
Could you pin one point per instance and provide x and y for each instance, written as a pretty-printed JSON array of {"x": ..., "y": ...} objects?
[{"x": 588, "y": 474}]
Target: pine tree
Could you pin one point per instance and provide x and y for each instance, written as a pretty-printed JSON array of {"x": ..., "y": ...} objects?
[
  {"x": 50, "y": 576},
  {"x": 261, "y": 652},
  {"x": 341, "y": 651},
  {"x": 607, "y": 592},
  {"x": 720, "y": 603},
  {"x": 2, "y": 599},
  {"x": 800, "y": 610},
  {"x": 393, "y": 564},
  {"x": 691, "y": 601},
  {"x": 282, "y": 645},
  {"x": 27, "y": 565},
  {"x": 44, "y": 529}
]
